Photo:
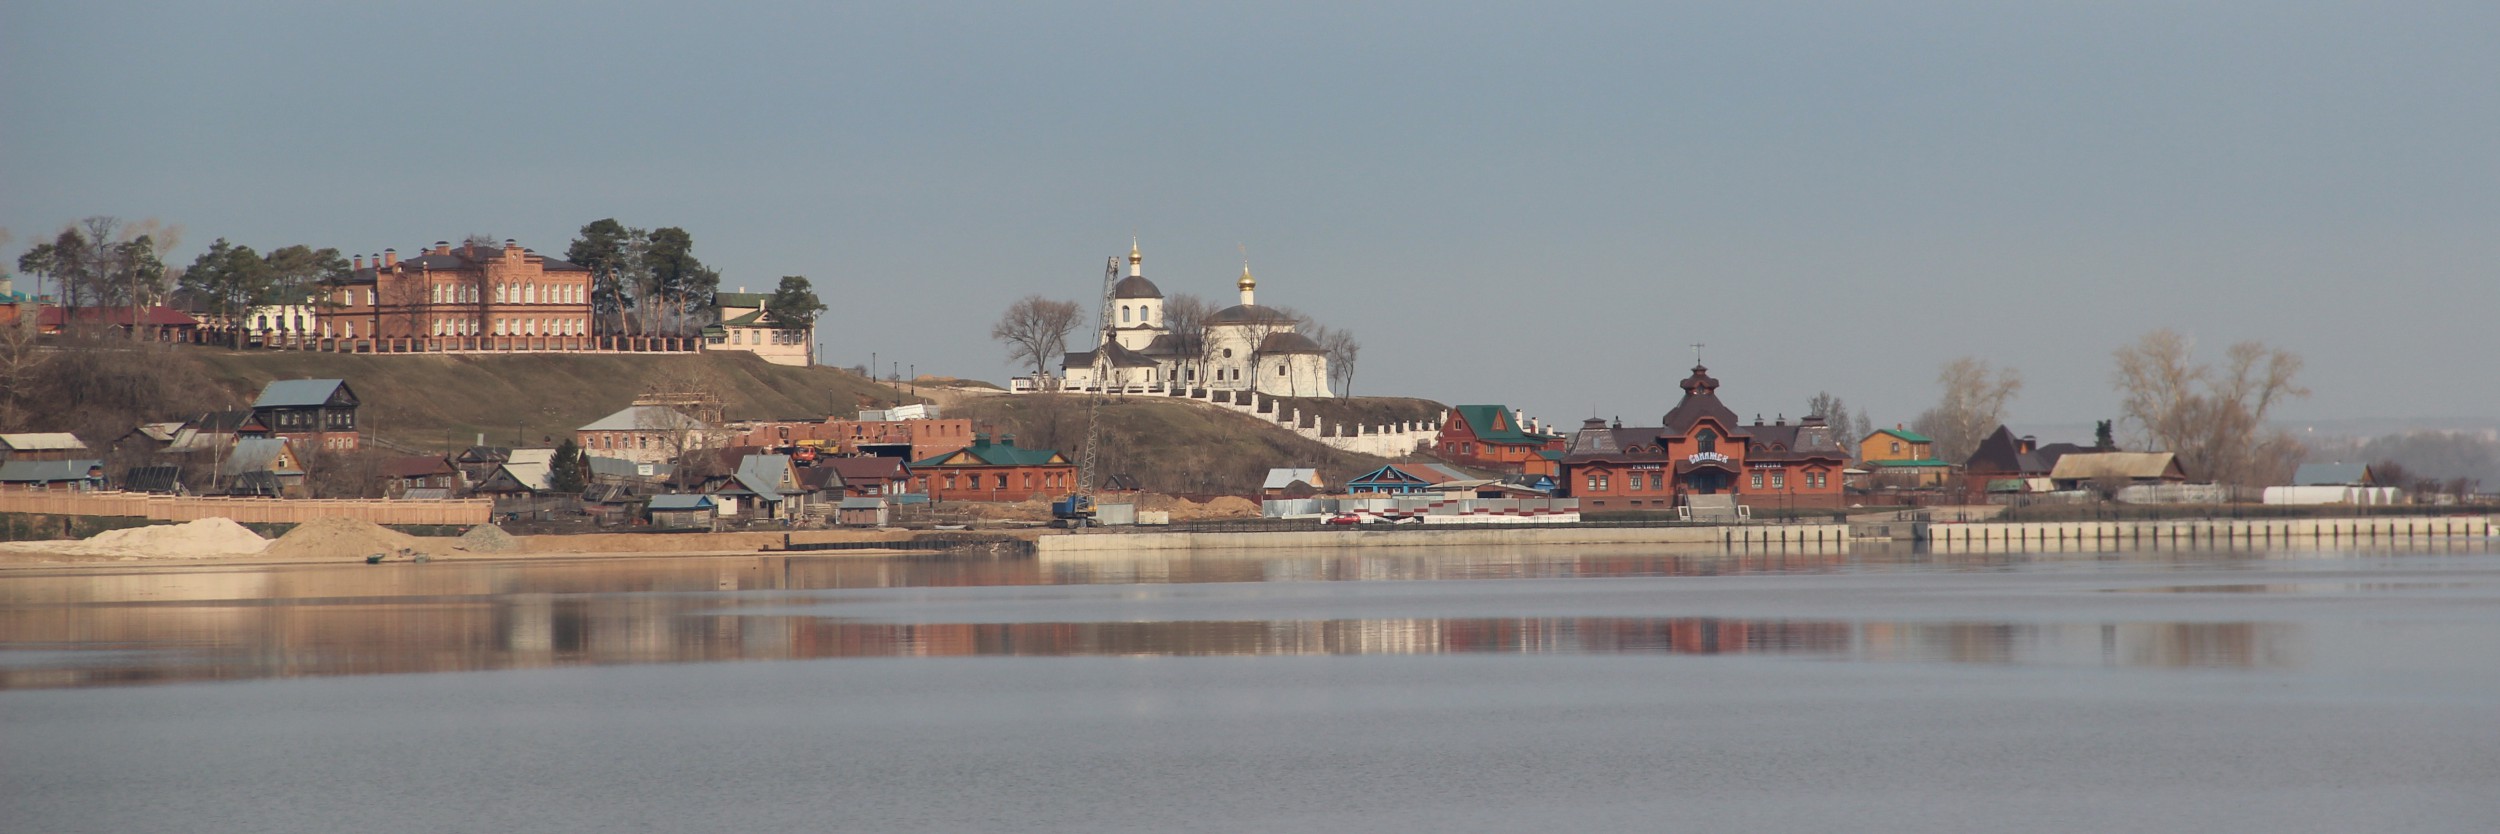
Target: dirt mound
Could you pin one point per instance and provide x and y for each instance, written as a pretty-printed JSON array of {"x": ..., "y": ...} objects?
[
  {"x": 202, "y": 539},
  {"x": 1229, "y": 507},
  {"x": 340, "y": 538},
  {"x": 1031, "y": 509},
  {"x": 488, "y": 538},
  {"x": 1183, "y": 509}
]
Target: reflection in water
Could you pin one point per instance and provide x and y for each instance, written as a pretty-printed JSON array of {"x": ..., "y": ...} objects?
[{"x": 67, "y": 630}]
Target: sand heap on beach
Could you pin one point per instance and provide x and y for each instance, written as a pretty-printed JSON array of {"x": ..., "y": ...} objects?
[
  {"x": 488, "y": 538},
  {"x": 341, "y": 538},
  {"x": 207, "y": 538}
]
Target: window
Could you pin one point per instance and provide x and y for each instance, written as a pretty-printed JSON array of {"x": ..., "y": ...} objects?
[
  {"x": 1757, "y": 480},
  {"x": 950, "y": 481},
  {"x": 1634, "y": 482},
  {"x": 1658, "y": 480},
  {"x": 1123, "y": 314},
  {"x": 1593, "y": 482},
  {"x": 1896, "y": 447},
  {"x": 1779, "y": 480},
  {"x": 1228, "y": 353},
  {"x": 1280, "y": 369},
  {"x": 1001, "y": 480},
  {"x": 1706, "y": 442}
]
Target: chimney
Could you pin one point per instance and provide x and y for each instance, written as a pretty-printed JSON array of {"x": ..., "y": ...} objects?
[
  {"x": 360, "y": 263},
  {"x": 2029, "y": 445},
  {"x": 390, "y": 258},
  {"x": 511, "y": 249},
  {"x": 442, "y": 247},
  {"x": 1782, "y": 419}
]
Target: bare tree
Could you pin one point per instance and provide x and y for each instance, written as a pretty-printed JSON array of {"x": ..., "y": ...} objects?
[
  {"x": 21, "y": 364},
  {"x": 1185, "y": 317},
  {"x": 2214, "y": 419},
  {"x": 1262, "y": 323},
  {"x": 1835, "y": 413},
  {"x": 1341, "y": 348},
  {"x": 1036, "y": 330},
  {"x": 1975, "y": 395},
  {"x": 689, "y": 415}
]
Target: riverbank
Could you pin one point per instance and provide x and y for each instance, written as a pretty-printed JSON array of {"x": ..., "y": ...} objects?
[
  {"x": 845, "y": 543},
  {"x": 1748, "y": 535}
]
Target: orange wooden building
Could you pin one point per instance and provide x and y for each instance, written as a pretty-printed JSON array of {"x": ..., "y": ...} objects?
[
  {"x": 1495, "y": 437},
  {"x": 993, "y": 471}
]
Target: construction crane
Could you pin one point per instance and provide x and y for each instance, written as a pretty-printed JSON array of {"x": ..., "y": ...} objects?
[{"x": 1077, "y": 510}]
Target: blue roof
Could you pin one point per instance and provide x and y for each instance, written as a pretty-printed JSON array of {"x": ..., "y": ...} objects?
[
  {"x": 681, "y": 502},
  {"x": 287, "y": 393},
  {"x": 761, "y": 474},
  {"x": 49, "y": 471}
]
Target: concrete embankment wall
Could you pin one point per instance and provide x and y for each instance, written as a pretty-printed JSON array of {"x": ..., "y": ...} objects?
[
  {"x": 1827, "y": 535},
  {"x": 2229, "y": 533}
]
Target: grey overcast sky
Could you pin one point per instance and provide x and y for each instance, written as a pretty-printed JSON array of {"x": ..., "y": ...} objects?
[{"x": 1539, "y": 204}]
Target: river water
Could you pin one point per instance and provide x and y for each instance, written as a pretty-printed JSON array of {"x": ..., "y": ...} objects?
[{"x": 1383, "y": 690}]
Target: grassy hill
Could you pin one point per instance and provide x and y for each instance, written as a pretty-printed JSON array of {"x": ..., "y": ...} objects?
[
  {"x": 443, "y": 402},
  {"x": 1170, "y": 446}
]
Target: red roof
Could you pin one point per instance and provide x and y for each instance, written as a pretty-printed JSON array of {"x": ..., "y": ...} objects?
[{"x": 158, "y": 316}]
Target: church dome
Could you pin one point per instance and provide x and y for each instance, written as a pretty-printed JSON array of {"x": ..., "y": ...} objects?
[
  {"x": 1136, "y": 286},
  {"x": 1248, "y": 314}
]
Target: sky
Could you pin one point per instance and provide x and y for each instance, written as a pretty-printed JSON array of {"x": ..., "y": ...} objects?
[{"x": 1539, "y": 204}]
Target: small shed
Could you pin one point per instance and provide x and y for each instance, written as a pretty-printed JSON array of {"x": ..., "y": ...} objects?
[
  {"x": 1290, "y": 483},
  {"x": 863, "y": 512},
  {"x": 682, "y": 512}
]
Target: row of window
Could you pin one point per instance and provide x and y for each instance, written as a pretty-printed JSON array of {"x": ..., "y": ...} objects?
[
  {"x": 512, "y": 327},
  {"x": 998, "y": 481},
  {"x": 739, "y": 336},
  {"x": 1656, "y": 481},
  {"x": 510, "y": 293},
  {"x": 1145, "y": 314}
]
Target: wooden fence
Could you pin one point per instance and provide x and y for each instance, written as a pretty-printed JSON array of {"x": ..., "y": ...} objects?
[{"x": 269, "y": 510}]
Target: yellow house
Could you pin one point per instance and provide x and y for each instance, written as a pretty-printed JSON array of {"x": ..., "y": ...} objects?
[{"x": 1899, "y": 452}]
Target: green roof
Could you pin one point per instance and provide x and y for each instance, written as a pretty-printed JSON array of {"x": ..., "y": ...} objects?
[
  {"x": 1481, "y": 418},
  {"x": 1908, "y": 463},
  {"x": 740, "y": 299},
  {"x": 983, "y": 452},
  {"x": 1910, "y": 436}
]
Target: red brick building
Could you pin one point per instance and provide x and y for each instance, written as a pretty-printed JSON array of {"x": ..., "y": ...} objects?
[
  {"x": 464, "y": 297},
  {"x": 1495, "y": 437},
  {"x": 908, "y": 439},
  {"x": 1702, "y": 448},
  {"x": 993, "y": 471}
]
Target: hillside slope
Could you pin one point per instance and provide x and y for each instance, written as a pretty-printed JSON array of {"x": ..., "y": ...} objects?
[
  {"x": 1169, "y": 446},
  {"x": 443, "y": 402}
]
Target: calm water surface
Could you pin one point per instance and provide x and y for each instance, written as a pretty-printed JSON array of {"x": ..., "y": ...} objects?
[{"x": 1475, "y": 690}]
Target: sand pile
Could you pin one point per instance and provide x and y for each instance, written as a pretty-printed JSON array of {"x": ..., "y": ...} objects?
[
  {"x": 203, "y": 539},
  {"x": 488, "y": 538},
  {"x": 1183, "y": 509},
  {"x": 1229, "y": 507},
  {"x": 341, "y": 538}
]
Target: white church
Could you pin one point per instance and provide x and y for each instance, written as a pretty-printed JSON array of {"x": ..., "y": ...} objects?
[{"x": 1246, "y": 347}]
